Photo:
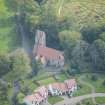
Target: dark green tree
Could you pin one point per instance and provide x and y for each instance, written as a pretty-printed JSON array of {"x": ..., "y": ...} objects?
[
  {"x": 68, "y": 40},
  {"x": 3, "y": 95},
  {"x": 5, "y": 64}
]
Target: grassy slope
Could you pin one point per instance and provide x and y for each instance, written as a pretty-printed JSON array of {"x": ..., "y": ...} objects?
[
  {"x": 98, "y": 85},
  {"x": 100, "y": 100},
  {"x": 54, "y": 100},
  {"x": 8, "y": 38},
  {"x": 79, "y": 13},
  {"x": 87, "y": 101}
]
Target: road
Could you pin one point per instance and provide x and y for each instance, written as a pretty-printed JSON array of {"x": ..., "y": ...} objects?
[{"x": 74, "y": 100}]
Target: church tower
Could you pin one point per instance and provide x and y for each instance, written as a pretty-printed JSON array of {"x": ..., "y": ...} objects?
[{"x": 40, "y": 38}]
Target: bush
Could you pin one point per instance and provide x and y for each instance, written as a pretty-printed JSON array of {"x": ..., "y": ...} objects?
[
  {"x": 103, "y": 83},
  {"x": 78, "y": 104},
  {"x": 79, "y": 86},
  {"x": 94, "y": 78},
  {"x": 87, "y": 103}
]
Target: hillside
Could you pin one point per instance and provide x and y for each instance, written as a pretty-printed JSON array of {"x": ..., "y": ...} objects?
[
  {"x": 76, "y": 27},
  {"x": 52, "y": 16},
  {"x": 8, "y": 37}
]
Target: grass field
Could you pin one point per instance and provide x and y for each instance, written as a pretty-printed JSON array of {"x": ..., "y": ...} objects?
[
  {"x": 100, "y": 100},
  {"x": 54, "y": 100},
  {"x": 47, "y": 81},
  {"x": 61, "y": 77},
  {"x": 82, "y": 91},
  {"x": 87, "y": 102},
  {"x": 41, "y": 75},
  {"x": 98, "y": 84}
]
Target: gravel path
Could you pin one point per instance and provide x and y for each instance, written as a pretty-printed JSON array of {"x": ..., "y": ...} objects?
[
  {"x": 74, "y": 100},
  {"x": 81, "y": 80}
]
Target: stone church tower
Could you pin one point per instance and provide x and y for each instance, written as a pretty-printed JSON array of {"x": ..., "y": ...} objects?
[{"x": 40, "y": 38}]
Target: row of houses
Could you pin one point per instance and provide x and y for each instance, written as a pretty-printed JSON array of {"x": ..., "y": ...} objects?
[{"x": 55, "y": 89}]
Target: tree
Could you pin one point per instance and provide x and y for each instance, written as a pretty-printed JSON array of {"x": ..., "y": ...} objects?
[
  {"x": 5, "y": 64},
  {"x": 3, "y": 95},
  {"x": 80, "y": 56},
  {"x": 36, "y": 66},
  {"x": 97, "y": 53},
  {"x": 20, "y": 64},
  {"x": 20, "y": 97},
  {"x": 103, "y": 83},
  {"x": 68, "y": 40},
  {"x": 102, "y": 36},
  {"x": 25, "y": 11},
  {"x": 91, "y": 33},
  {"x": 94, "y": 78},
  {"x": 39, "y": 1}
]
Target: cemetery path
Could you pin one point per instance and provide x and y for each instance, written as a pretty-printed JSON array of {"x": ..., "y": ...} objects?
[
  {"x": 81, "y": 80},
  {"x": 75, "y": 100}
]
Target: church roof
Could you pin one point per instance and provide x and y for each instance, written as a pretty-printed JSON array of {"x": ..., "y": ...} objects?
[{"x": 49, "y": 53}]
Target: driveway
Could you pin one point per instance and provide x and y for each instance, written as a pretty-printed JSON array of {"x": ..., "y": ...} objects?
[{"x": 74, "y": 100}]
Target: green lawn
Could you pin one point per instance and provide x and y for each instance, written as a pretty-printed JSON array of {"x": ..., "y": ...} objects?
[
  {"x": 87, "y": 102},
  {"x": 98, "y": 84},
  {"x": 30, "y": 84},
  {"x": 62, "y": 77},
  {"x": 47, "y": 81},
  {"x": 41, "y": 75},
  {"x": 100, "y": 100},
  {"x": 54, "y": 100},
  {"x": 82, "y": 91}
]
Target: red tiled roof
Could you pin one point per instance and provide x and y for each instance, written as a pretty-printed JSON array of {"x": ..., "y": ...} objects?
[
  {"x": 42, "y": 90},
  {"x": 34, "y": 97},
  {"x": 30, "y": 97},
  {"x": 59, "y": 86},
  {"x": 49, "y": 53},
  {"x": 70, "y": 83}
]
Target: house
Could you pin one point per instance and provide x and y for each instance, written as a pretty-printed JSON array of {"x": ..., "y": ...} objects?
[
  {"x": 39, "y": 96},
  {"x": 47, "y": 56},
  {"x": 57, "y": 89},
  {"x": 68, "y": 87},
  {"x": 71, "y": 85},
  {"x": 34, "y": 99},
  {"x": 42, "y": 91}
]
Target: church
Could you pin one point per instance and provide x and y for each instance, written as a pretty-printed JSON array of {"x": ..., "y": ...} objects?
[{"x": 47, "y": 56}]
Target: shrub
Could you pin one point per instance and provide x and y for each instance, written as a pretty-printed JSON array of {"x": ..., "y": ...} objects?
[
  {"x": 103, "y": 83},
  {"x": 94, "y": 78}
]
